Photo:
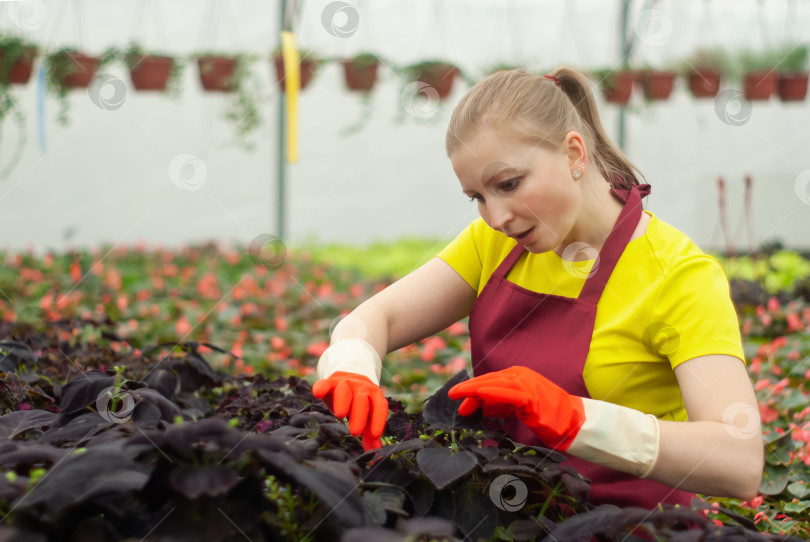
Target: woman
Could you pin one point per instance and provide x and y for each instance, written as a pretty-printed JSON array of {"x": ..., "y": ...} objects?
[{"x": 596, "y": 328}]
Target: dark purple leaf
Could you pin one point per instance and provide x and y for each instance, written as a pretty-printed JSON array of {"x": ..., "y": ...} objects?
[
  {"x": 373, "y": 511},
  {"x": 17, "y": 352},
  {"x": 488, "y": 453},
  {"x": 163, "y": 381},
  {"x": 576, "y": 486},
  {"x": 168, "y": 410},
  {"x": 194, "y": 482},
  {"x": 18, "y": 422},
  {"x": 377, "y": 534},
  {"x": 443, "y": 467},
  {"x": 426, "y": 526},
  {"x": 29, "y": 455},
  {"x": 80, "y": 474},
  {"x": 584, "y": 526},
  {"x": 77, "y": 430},
  {"x": 526, "y": 529},
  {"x": 83, "y": 390},
  {"x": 146, "y": 413},
  {"x": 475, "y": 513},
  {"x": 545, "y": 453},
  {"x": 340, "y": 497},
  {"x": 442, "y": 412}
]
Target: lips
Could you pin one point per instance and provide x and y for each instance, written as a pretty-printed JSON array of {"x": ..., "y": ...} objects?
[{"x": 521, "y": 235}]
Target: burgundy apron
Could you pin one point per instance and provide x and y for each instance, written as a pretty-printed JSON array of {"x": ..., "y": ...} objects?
[{"x": 510, "y": 325}]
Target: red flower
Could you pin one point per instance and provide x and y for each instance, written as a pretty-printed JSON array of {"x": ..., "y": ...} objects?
[
  {"x": 317, "y": 349},
  {"x": 773, "y": 304}
]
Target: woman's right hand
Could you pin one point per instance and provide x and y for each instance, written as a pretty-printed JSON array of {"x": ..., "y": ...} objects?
[
  {"x": 356, "y": 396},
  {"x": 349, "y": 372}
]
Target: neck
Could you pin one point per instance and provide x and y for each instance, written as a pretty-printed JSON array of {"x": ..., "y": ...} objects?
[{"x": 597, "y": 215}]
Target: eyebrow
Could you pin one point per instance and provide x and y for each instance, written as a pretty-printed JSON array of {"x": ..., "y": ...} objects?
[{"x": 486, "y": 182}]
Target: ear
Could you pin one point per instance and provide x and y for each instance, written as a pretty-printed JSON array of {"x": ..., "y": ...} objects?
[{"x": 574, "y": 146}]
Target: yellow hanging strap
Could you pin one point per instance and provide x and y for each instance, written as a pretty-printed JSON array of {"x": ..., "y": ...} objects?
[{"x": 292, "y": 78}]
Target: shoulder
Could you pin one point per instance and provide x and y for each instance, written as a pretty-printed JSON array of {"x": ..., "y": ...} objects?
[{"x": 672, "y": 249}]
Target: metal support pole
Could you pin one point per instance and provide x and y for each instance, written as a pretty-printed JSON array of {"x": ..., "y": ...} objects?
[
  {"x": 282, "y": 146},
  {"x": 625, "y": 46}
]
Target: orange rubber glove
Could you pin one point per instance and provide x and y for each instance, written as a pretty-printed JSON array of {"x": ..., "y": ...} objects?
[
  {"x": 356, "y": 396},
  {"x": 550, "y": 412}
]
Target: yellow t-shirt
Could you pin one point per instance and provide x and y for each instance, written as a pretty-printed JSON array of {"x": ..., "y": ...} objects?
[{"x": 666, "y": 302}]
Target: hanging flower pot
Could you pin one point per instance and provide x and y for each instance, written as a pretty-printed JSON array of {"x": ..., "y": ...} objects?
[
  {"x": 308, "y": 65},
  {"x": 151, "y": 72},
  {"x": 22, "y": 62},
  {"x": 217, "y": 73},
  {"x": 360, "y": 72},
  {"x": 704, "y": 82},
  {"x": 436, "y": 74},
  {"x": 792, "y": 86},
  {"x": 792, "y": 77},
  {"x": 657, "y": 84},
  {"x": 616, "y": 85},
  {"x": 759, "y": 84},
  {"x": 74, "y": 69}
]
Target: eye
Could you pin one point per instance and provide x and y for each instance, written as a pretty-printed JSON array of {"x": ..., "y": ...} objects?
[
  {"x": 509, "y": 185},
  {"x": 478, "y": 198}
]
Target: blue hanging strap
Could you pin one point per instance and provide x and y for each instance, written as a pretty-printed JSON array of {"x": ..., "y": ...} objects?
[{"x": 41, "y": 108}]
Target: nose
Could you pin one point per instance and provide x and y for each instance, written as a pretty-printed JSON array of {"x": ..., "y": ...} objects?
[{"x": 500, "y": 215}]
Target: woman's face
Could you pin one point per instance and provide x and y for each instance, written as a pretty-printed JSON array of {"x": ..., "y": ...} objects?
[{"x": 524, "y": 191}]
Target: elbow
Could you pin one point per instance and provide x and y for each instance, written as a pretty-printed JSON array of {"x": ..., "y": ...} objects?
[{"x": 745, "y": 485}]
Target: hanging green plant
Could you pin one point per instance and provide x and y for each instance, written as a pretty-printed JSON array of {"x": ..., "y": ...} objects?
[
  {"x": 434, "y": 83},
  {"x": 154, "y": 71},
  {"x": 616, "y": 84},
  {"x": 792, "y": 73},
  {"x": 704, "y": 69},
  {"x": 67, "y": 69},
  {"x": 17, "y": 57},
  {"x": 360, "y": 71},
  {"x": 232, "y": 74},
  {"x": 310, "y": 63},
  {"x": 360, "y": 75}
]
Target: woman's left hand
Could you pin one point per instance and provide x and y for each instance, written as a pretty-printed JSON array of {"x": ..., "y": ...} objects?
[
  {"x": 550, "y": 412},
  {"x": 611, "y": 435}
]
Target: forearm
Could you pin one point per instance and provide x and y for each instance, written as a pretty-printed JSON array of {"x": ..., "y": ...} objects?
[
  {"x": 703, "y": 456},
  {"x": 365, "y": 322},
  {"x": 710, "y": 458}
]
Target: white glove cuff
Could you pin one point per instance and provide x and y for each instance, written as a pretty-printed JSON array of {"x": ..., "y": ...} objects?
[
  {"x": 352, "y": 355},
  {"x": 617, "y": 437}
]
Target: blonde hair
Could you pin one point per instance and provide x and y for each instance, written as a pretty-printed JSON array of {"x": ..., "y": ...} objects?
[{"x": 541, "y": 113}]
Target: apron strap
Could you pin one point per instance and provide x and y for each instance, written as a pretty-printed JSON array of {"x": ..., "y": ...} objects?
[{"x": 616, "y": 241}]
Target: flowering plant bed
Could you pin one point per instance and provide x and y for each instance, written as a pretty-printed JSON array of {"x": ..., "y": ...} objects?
[{"x": 170, "y": 391}]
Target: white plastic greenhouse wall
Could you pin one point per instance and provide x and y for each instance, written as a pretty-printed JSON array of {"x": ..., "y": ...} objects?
[{"x": 105, "y": 177}]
